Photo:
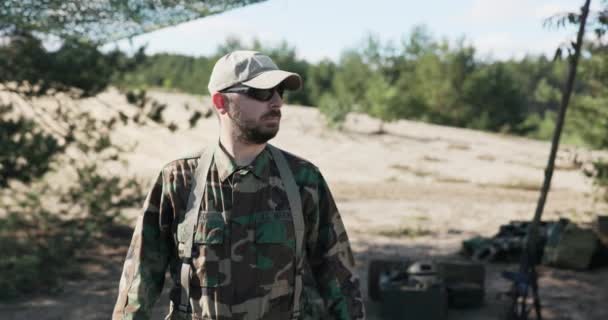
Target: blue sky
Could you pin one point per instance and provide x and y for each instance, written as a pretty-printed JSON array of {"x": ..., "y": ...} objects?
[{"x": 319, "y": 29}]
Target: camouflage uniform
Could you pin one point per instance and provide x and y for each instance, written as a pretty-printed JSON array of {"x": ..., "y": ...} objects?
[{"x": 243, "y": 258}]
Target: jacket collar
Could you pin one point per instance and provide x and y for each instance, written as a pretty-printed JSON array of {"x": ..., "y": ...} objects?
[{"x": 226, "y": 165}]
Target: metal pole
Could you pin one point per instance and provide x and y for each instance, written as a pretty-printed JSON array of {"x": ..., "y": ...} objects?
[{"x": 530, "y": 252}]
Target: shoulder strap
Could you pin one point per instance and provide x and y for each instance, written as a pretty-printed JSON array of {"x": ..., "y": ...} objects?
[
  {"x": 295, "y": 203},
  {"x": 186, "y": 229}
]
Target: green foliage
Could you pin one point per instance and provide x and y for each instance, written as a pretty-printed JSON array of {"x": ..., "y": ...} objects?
[
  {"x": 495, "y": 99},
  {"x": 587, "y": 121},
  {"x": 46, "y": 224},
  {"x": 189, "y": 74},
  {"x": 170, "y": 71},
  {"x": 380, "y": 97},
  {"x": 54, "y": 196},
  {"x": 426, "y": 80},
  {"x": 335, "y": 110},
  {"x": 25, "y": 148},
  {"x": 421, "y": 79},
  {"x": 54, "y": 199},
  {"x": 351, "y": 81},
  {"x": 349, "y": 86},
  {"x": 319, "y": 79},
  {"x": 31, "y": 263},
  {"x": 539, "y": 126},
  {"x": 76, "y": 68}
]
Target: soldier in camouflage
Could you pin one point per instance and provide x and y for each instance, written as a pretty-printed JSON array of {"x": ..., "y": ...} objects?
[{"x": 244, "y": 259}]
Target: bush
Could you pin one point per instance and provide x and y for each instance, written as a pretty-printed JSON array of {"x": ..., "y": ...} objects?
[
  {"x": 34, "y": 260},
  {"x": 45, "y": 224},
  {"x": 539, "y": 127},
  {"x": 334, "y": 110},
  {"x": 54, "y": 197}
]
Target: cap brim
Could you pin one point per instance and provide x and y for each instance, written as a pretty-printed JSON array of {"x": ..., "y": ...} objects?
[{"x": 270, "y": 79}]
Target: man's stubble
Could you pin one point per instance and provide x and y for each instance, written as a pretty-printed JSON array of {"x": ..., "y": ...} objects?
[{"x": 251, "y": 131}]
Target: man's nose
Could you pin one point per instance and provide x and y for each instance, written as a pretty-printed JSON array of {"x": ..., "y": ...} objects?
[{"x": 276, "y": 102}]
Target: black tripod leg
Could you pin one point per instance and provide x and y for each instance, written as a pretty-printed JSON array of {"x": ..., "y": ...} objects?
[
  {"x": 523, "y": 311},
  {"x": 535, "y": 296}
]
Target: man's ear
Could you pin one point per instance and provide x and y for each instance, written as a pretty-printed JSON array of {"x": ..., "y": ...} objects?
[{"x": 220, "y": 102}]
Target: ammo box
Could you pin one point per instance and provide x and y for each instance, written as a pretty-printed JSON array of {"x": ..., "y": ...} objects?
[
  {"x": 417, "y": 294},
  {"x": 570, "y": 246},
  {"x": 405, "y": 301},
  {"x": 465, "y": 283},
  {"x": 406, "y": 290}
]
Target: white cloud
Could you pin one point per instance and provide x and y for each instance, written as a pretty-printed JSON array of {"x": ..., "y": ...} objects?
[
  {"x": 505, "y": 46},
  {"x": 316, "y": 55},
  {"x": 496, "y": 45},
  {"x": 548, "y": 10},
  {"x": 499, "y": 10},
  {"x": 198, "y": 37}
]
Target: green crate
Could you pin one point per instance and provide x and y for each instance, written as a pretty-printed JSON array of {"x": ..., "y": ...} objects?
[{"x": 402, "y": 301}]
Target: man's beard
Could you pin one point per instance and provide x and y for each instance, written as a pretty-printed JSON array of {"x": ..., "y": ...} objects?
[{"x": 252, "y": 132}]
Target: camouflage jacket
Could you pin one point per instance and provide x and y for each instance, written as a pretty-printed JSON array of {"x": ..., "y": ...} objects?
[{"x": 243, "y": 253}]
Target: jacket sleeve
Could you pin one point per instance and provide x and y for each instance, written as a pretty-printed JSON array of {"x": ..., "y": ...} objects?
[
  {"x": 331, "y": 260},
  {"x": 144, "y": 269}
]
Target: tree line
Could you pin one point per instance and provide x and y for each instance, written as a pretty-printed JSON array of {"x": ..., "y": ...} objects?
[{"x": 421, "y": 78}]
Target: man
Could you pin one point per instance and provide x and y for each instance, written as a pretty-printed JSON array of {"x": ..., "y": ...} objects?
[{"x": 247, "y": 231}]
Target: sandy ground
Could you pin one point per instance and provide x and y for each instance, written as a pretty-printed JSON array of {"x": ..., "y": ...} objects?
[{"x": 451, "y": 183}]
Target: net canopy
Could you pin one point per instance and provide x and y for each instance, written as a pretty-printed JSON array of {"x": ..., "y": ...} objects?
[{"x": 104, "y": 21}]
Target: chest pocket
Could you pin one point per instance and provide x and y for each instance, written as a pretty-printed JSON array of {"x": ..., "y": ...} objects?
[
  {"x": 208, "y": 250},
  {"x": 275, "y": 249}
]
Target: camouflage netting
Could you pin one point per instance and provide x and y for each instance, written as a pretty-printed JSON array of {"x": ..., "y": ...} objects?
[{"x": 104, "y": 21}]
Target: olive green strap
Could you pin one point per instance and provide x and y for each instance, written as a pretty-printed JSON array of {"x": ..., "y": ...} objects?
[
  {"x": 295, "y": 203},
  {"x": 187, "y": 228}
]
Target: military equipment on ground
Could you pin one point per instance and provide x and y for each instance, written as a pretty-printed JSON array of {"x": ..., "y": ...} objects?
[
  {"x": 561, "y": 243},
  {"x": 425, "y": 289},
  {"x": 507, "y": 244},
  {"x": 465, "y": 283},
  {"x": 570, "y": 246},
  {"x": 385, "y": 268}
]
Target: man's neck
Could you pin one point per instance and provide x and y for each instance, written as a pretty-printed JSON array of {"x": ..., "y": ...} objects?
[{"x": 242, "y": 153}]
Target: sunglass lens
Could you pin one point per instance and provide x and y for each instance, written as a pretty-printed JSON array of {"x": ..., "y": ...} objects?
[
  {"x": 265, "y": 94},
  {"x": 261, "y": 94},
  {"x": 280, "y": 91}
]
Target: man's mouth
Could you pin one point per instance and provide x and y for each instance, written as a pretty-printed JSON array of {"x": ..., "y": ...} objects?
[{"x": 273, "y": 115}]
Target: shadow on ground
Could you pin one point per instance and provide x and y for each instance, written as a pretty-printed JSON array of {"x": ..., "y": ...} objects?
[{"x": 565, "y": 294}]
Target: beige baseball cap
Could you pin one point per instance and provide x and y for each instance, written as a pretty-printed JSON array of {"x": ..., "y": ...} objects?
[{"x": 252, "y": 69}]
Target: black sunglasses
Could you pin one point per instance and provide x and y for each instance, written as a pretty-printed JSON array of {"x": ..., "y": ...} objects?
[{"x": 257, "y": 94}]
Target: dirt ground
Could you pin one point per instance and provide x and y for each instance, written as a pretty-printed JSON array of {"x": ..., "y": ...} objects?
[{"x": 446, "y": 184}]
